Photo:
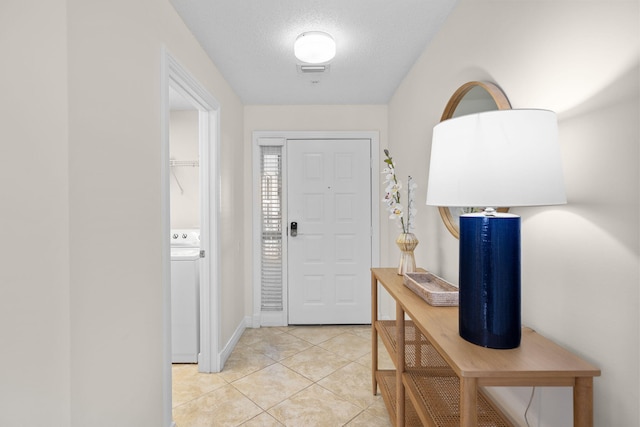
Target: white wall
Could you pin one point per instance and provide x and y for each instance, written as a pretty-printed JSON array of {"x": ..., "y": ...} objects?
[
  {"x": 184, "y": 183},
  {"x": 302, "y": 118},
  {"x": 115, "y": 122},
  {"x": 580, "y": 261},
  {"x": 81, "y": 314},
  {"x": 34, "y": 216}
]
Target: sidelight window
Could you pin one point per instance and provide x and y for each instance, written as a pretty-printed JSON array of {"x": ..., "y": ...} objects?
[{"x": 271, "y": 262}]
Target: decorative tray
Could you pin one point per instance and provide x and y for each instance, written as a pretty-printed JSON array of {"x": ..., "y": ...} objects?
[{"x": 431, "y": 288}]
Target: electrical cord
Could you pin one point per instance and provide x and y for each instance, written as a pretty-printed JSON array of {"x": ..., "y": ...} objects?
[{"x": 533, "y": 390}]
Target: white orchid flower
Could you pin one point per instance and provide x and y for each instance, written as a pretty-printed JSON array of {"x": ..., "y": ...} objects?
[
  {"x": 389, "y": 200},
  {"x": 394, "y": 188},
  {"x": 392, "y": 196},
  {"x": 396, "y": 211}
]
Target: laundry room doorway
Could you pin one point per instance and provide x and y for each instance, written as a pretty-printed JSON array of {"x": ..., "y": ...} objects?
[{"x": 190, "y": 173}]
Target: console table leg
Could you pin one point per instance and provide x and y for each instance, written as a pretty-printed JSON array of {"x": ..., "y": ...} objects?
[
  {"x": 468, "y": 402},
  {"x": 374, "y": 334},
  {"x": 583, "y": 402},
  {"x": 400, "y": 366}
]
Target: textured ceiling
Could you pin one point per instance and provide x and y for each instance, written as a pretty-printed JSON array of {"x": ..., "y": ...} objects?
[{"x": 251, "y": 43}]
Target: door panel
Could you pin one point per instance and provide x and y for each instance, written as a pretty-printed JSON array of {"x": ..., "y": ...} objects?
[{"x": 329, "y": 196}]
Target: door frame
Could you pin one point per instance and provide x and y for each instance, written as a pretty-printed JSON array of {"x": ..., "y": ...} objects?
[
  {"x": 175, "y": 76},
  {"x": 260, "y": 318}
]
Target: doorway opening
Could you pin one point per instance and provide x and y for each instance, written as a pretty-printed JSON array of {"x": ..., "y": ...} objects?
[
  {"x": 343, "y": 165},
  {"x": 181, "y": 91}
]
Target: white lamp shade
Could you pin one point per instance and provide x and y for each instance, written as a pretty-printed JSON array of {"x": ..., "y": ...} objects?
[
  {"x": 496, "y": 158},
  {"x": 314, "y": 47}
]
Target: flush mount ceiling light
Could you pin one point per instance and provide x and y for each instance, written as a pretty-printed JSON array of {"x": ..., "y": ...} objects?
[{"x": 314, "y": 47}]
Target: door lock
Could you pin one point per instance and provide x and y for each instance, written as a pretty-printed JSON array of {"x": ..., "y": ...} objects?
[{"x": 294, "y": 229}]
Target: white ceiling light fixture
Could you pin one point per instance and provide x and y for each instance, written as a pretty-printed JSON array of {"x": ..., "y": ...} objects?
[{"x": 314, "y": 47}]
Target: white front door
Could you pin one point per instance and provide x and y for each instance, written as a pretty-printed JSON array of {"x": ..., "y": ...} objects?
[{"x": 329, "y": 254}]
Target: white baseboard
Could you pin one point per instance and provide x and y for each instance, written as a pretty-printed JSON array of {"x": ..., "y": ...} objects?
[
  {"x": 228, "y": 348},
  {"x": 254, "y": 321},
  {"x": 249, "y": 322},
  {"x": 273, "y": 318}
]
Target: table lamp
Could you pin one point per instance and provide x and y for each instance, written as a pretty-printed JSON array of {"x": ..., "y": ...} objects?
[{"x": 501, "y": 158}]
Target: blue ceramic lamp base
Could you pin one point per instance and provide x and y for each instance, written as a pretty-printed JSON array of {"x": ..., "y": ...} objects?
[{"x": 490, "y": 280}]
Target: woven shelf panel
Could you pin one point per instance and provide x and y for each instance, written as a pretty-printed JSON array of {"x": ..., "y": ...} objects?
[
  {"x": 387, "y": 384},
  {"x": 441, "y": 395},
  {"x": 419, "y": 353}
]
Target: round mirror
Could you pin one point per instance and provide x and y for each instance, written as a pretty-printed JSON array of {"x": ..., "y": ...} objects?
[{"x": 470, "y": 98}]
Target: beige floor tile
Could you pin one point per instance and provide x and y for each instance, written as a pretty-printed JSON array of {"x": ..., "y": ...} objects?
[
  {"x": 253, "y": 335},
  {"x": 384, "y": 360},
  {"x": 263, "y": 420},
  {"x": 378, "y": 408},
  {"x": 225, "y": 406},
  {"x": 315, "y": 363},
  {"x": 280, "y": 346},
  {"x": 271, "y": 385},
  {"x": 242, "y": 362},
  {"x": 275, "y": 369},
  {"x": 189, "y": 388},
  {"x": 348, "y": 346},
  {"x": 366, "y": 419},
  {"x": 317, "y": 334},
  {"x": 180, "y": 371},
  {"x": 363, "y": 331},
  {"x": 353, "y": 383},
  {"x": 314, "y": 406}
]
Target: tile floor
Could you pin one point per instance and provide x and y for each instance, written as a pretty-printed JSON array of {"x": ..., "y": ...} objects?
[{"x": 286, "y": 376}]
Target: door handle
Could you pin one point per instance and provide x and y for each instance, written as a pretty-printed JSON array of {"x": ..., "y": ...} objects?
[{"x": 294, "y": 229}]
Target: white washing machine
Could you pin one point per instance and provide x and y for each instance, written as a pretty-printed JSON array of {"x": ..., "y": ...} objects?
[{"x": 185, "y": 295}]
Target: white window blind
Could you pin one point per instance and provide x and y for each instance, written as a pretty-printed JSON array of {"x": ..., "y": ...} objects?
[{"x": 271, "y": 224}]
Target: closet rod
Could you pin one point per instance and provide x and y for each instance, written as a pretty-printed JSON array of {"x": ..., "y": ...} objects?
[{"x": 192, "y": 163}]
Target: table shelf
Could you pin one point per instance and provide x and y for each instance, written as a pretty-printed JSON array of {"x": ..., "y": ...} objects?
[
  {"x": 437, "y": 399},
  {"x": 439, "y": 376},
  {"x": 433, "y": 387},
  {"x": 419, "y": 352},
  {"x": 387, "y": 383}
]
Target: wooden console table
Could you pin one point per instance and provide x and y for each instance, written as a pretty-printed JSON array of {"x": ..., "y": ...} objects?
[{"x": 439, "y": 376}]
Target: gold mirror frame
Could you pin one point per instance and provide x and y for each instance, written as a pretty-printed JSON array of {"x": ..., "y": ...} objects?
[{"x": 501, "y": 103}]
